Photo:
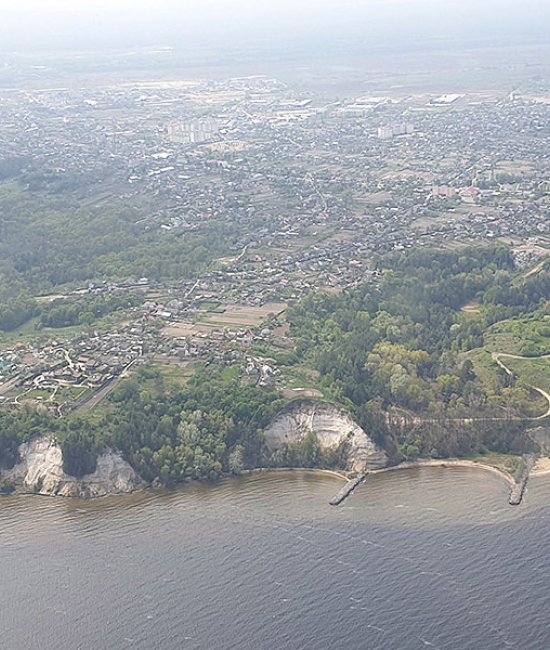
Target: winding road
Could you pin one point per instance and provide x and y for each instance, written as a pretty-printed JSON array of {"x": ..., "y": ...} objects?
[
  {"x": 470, "y": 420},
  {"x": 497, "y": 356}
]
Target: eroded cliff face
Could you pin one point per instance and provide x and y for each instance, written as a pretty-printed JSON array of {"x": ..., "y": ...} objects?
[
  {"x": 41, "y": 472},
  {"x": 332, "y": 426}
]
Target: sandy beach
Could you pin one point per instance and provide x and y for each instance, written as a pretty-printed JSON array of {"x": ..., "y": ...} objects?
[
  {"x": 448, "y": 463},
  {"x": 541, "y": 467}
]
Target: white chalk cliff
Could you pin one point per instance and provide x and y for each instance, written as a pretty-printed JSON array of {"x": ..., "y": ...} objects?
[
  {"x": 332, "y": 426},
  {"x": 40, "y": 471}
]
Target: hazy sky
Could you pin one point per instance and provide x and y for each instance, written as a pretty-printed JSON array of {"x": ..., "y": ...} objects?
[
  {"x": 86, "y": 24},
  {"x": 63, "y": 5}
]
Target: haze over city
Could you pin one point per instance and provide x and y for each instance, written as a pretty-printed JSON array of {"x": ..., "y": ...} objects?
[
  {"x": 275, "y": 284},
  {"x": 92, "y": 24}
]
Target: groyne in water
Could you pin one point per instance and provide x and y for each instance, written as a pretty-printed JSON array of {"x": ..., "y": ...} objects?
[
  {"x": 348, "y": 488},
  {"x": 516, "y": 493},
  {"x": 518, "y": 490}
]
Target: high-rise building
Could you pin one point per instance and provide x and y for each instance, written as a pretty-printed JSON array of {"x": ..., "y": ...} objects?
[
  {"x": 385, "y": 133},
  {"x": 193, "y": 131},
  {"x": 389, "y": 132}
]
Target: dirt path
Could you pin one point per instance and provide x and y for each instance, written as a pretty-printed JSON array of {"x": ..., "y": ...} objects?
[
  {"x": 107, "y": 388},
  {"x": 497, "y": 356},
  {"x": 538, "y": 268},
  {"x": 469, "y": 420},
  {"x": 100, "y": 394}
]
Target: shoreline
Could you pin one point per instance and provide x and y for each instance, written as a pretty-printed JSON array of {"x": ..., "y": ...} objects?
[
  {"x": 22, "y": 492},
  {"x": 540, "y": 470},
  {"x": 448, "y": 463},
  {"x": 313, "y": 470}
]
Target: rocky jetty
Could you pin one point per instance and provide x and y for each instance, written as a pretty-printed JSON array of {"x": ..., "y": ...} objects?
[
  {"x": 348, "y": 488},
  {"x": 518, "y": 490},
  {"x": 40, "y": 471},
  {"x": 332, "y": 427}
]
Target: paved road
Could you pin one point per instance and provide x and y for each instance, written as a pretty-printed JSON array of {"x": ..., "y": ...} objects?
[{"x": 100, "y": 395}]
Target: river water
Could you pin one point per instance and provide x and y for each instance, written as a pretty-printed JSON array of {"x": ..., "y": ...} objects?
[{"x": 424, "y": 558}]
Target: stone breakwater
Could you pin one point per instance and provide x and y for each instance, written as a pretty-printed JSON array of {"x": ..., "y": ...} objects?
[
  {"x": 518, "y": 490},
  {"x": 348, "y": 488}
]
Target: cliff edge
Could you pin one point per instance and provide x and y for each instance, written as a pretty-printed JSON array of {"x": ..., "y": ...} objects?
[
  {"x": 332, "y": 427},
  {"x": 40, "y": 471}
]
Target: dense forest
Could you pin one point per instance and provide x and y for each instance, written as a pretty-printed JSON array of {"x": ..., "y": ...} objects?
[
  {"x": 49, "y": 240},
  {"x": 396, "y": 345}
]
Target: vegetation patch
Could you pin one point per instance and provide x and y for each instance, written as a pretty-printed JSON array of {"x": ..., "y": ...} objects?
[
  {"x": 533, "y": 372},
  {"x": 513, "y": 465}
]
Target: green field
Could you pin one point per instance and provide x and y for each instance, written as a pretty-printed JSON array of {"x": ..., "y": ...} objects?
[
  {"x": 301, "y": 377},
  {"x": 531, "y": 372},
  {"x": 24, "y": 334},
  {"x": 210, "y": 305},
  {"x": 176, "y": 374},
  {"x": 535, "y": 372},
  {"x": 525, "y": 337},
  {"x": 36, "y": 394},
  {"x": 484, "y": 365}
]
